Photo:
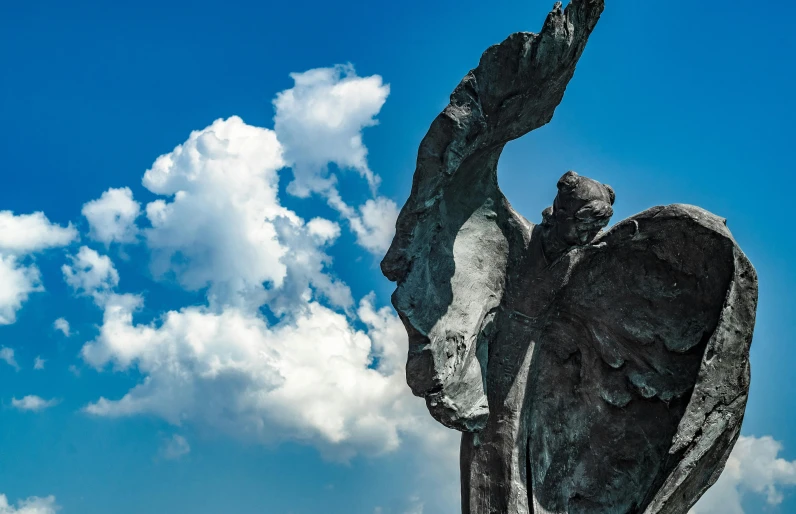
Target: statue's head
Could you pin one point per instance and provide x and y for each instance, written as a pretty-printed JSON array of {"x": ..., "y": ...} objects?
[{"x": 581, "y": 209}]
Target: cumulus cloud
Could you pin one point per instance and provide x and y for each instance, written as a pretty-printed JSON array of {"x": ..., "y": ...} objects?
[
  {"x": 753, "y": 468},
  {"x": 217, "y": 229},
  {"x": 324, "y": 230},
  {"x": 38, "y": 363},
  {"x": 32, "y": 505},
  {"x": 29, "y": 233},
  {"x": 61, "y": 324},
  {"x": 312, "y": 380},
  {"x": 223, "y": 228},
  {"x": 320, "y": 121},
  {"x": 7, "y": 355},
  {"x": 324, "y": 370},
  {"x": 21, "y": 236},
  {"x": 90, "y": 273},
  {"x": 308, "y": 268},
  {"x": 111, "y": 217},
  {"x": 32, "y": 403},
  {"x": 175, "y": 447}
]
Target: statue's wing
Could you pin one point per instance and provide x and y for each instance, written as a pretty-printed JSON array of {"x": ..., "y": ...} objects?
[
  {"x": 455, "y": 233},
  {"x": 641, "y": 374}
]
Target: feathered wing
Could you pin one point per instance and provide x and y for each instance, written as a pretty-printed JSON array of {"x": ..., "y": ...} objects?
[
  {"x": 456, "y": 233},
  {"x": 640, "y": 378}
]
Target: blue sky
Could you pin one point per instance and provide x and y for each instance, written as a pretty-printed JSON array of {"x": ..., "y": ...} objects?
[{"x": 247, "y": 393}]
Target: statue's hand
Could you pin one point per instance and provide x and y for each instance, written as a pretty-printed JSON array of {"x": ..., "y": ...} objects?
[{"x": 521, "y": 81}]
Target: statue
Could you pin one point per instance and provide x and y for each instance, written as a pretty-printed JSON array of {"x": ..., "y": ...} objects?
[{"x": 589, "y": 371}]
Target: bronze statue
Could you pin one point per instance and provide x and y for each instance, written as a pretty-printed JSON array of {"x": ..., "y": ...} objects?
[{"x": 589, "y": 371}]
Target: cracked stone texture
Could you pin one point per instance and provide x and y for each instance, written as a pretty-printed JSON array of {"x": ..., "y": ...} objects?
[{"x": 610, "y": 378}]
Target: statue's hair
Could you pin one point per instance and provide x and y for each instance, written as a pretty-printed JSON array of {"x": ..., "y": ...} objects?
[
  {"x": 572, "y": 186},
  {"x": 568, "y": 182}
]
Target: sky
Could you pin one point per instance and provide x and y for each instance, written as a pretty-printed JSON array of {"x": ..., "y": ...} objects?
[{"x": 195, "y": 198}]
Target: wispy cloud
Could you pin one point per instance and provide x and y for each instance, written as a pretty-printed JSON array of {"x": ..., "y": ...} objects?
[
  {"x": 33, "y": 403},
  {"x": 175, "y": 447},
  {"x": 63, "y": 326},
  {"x": 32, "y": 505},
  {"x": 7, "y": 355}
]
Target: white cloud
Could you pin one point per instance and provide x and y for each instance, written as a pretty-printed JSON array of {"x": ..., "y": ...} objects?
[
  {"x": 18, "y": 281},
  {"x": 62, "y": 325},
  {"x": 311, "y": 380},
  {"x": 373, "y": 223},
  {"x": 326, "y": 231},
  {"x": 7, "y": 355},
  {"x": 90, "y": 273},
  {"x": 325, "y": 372},
  {"x": 29, "y": 233},
  {"x": 753, "y": 468},
  {"x": 112, "y": 216},
  {"x": 387, "y": 334},
  {"x": 374, "y": 226},
  {"x": 38, "y": 363},
  {"x": 175, "y": 447},
  {"x": 320, "y": 121},
  {"x": 217, "y": 230},
  {"x": 224, "y": 228},
  {"x": 307, "y": 265},
  {"x": 21, "y": 236},
  {"x": 32, "y": 505},
  {"x": 33, "y": 403}
]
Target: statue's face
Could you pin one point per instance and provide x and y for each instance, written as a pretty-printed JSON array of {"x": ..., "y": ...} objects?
[
  {"x": 579, "y": 221},
  {"x": 575, "y": 232},
  {"x": 581, "y": 209}
]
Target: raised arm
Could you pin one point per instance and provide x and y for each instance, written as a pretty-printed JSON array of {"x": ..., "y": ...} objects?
[{"x": 455, "y": 232}]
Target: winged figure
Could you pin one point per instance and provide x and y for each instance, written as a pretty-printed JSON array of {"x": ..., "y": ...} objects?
[{"x": 590, "y": 371}]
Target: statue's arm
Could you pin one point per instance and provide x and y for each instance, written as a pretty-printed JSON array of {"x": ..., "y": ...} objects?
[
  {"x": 455, "y": 232},
  {"x": 515, "y": 89}
]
